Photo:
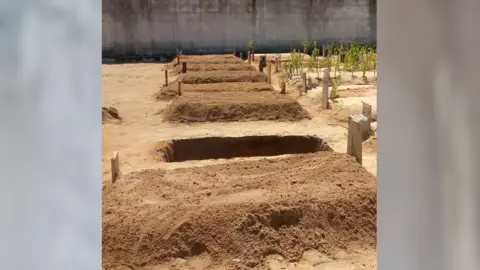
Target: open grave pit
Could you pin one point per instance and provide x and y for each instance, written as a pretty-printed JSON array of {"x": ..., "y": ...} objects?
[
  {"x": 225, "y": 107},
  {"x": 236, "y": 147}
]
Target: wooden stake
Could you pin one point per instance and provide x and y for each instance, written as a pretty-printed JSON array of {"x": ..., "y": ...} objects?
[
  {"x": 283, "y": 87},
  {"x": 325, "y": 90},
  {"x": 269, "y": 72},
  {"x": 115, "y": 163},
  {"x": 354, "y": 145},
  {"x": 178, "y": 59},
  {"x": 179, "y": 87},
  {"x": 249, "y": 58},
  {"x": 166, "y": 77},
  {"x": 241, "y": 55},
  {"x": 304, "y": 81},
  {"x": 234, "y": 53},
  {"x": 184, "y": 67},
  {"x": 277, "y": 64}
]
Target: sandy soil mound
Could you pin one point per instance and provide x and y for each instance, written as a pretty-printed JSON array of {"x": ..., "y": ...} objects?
[
  {"x": 212, "y": 107},
  {"x": 110, "y": 115},
  {"x": 214, "y": 67},
  {"x": 222, "y": 76},
  {"x": 243, "y": 210},
  {"x": 171, "y": 90},
  {"x": 206, "y": 59}
]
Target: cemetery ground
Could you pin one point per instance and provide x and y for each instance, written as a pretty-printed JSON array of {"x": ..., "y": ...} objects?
[{"x": 229, "y": 173}]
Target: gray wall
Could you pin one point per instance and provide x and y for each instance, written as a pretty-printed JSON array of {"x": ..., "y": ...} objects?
[{"x": 156, "y": 27}]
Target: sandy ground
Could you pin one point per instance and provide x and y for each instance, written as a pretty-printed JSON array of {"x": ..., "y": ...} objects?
[{"x": 130, "y": 88}]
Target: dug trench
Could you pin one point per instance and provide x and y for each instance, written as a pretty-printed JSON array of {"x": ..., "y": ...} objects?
[
  {"x": 234, "y": 147},
  {"x": 240, "y": 212}
]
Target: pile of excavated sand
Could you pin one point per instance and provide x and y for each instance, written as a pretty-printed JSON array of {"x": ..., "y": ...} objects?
[
  {"x": 195, "y": 67},
  {"x": 241, "y": 212},
  {"x": 222, "y": 107},
  {"x": 110, "y": 115},
  {"x": 170, "y": 91},
  {"x": 222, "y": 77}
]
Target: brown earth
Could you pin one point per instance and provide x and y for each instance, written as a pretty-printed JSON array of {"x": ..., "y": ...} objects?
[
  {"x": 110, "y": 115},
  {"x": 312, "y": 211},
  {"x": 241, "y": 212},
  {"x": 194, "y": 107},
  {"x": 207, "y": 59},
  {"x": 191, "y": 67},
  {"x": 222, "y": 76},
  {"x": 171, "y": 90}
]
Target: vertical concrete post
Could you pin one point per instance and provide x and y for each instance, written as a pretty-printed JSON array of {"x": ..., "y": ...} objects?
[
  {"x": 367, "y": 110},
  {"x": 166, "y": 77},
  {"x": 325, "y": 90},
  {"x": 184, "y": 67},
  {"x": 269, "y": 72},
  {"x": 354, "y": 144},
  {"x": 304, "y": 82},
  {"x": 283, "y": 87},
  {"x": 249, "y": 58},
  {"x": 115, "y": 167},
  {"x": 179, "y": 87}
]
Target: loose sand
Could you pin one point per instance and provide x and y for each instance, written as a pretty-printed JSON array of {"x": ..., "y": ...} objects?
[{"x": 304, "y": 211}]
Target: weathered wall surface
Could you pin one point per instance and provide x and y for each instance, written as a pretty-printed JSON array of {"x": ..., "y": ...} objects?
[{"x": 156, "y": 27}]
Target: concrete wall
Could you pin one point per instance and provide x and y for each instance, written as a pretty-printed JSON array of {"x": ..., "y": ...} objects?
[{"x": 157, "y": 27}]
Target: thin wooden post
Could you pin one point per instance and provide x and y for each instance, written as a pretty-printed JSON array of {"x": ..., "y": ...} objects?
[
  {"x": 241, "y": 55},
  {"x": 166, "y": 77},
  {"x": 178, "y": 59},
  {"x": 277, "y": 62},
  {"x": 304, "y": 82},
  {"x": 184, "y": 67},
  {"x": 354, "y": 145},
  {"x": 115, "y": 167},
  {"x": 234, "y": 52},
  {"x": 179, "y": 87},
  {"x": 249, "y": 57},
  {"x": 283, "y": 87},
  {"x": 269, "y": 72},
  {"x": 325, "y": 90}
]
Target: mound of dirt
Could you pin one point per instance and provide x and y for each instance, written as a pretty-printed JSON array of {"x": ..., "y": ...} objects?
[
  {"x": 222, "y": 107},
  {"x": 222, "y": 76},
  {"x": 171, "y": 90},
  {"x": 110, "y": 115},
  {"x": 243, "y": 210},
  {"x": 206, "y": 59},
  {"x": 214, "y": 67}
]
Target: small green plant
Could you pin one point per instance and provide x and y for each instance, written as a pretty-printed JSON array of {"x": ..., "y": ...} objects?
[
  {"x": 313, "y": 62},
  {"x": 250, "y": 45},
  {"x": 352, "y": 58},
  {"x": 372, "y": 59},
  {"x": 179, "y": 52},
  {"x": 296, "y": 58},
  {"x": 364, "y": 62}
]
